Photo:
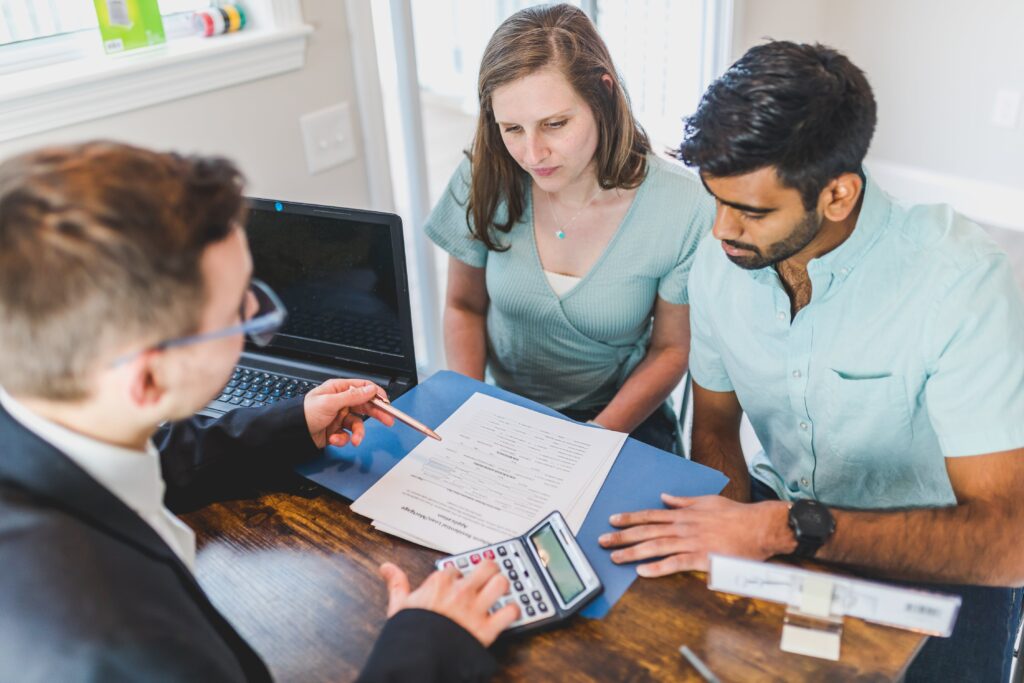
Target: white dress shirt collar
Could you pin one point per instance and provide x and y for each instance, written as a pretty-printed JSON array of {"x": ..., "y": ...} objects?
[{"x": 133, "y": 476}]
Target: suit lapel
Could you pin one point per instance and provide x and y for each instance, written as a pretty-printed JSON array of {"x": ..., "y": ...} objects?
[{"x": 34, "y": 465}]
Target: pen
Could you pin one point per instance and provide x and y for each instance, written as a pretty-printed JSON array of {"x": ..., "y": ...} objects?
[
  {"x": 399, "y": 415},
  {"x": 697, "y": 664}
]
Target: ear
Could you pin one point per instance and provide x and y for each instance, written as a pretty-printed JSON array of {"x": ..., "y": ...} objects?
[
  {"x": 840, "y": 197},
  {"x": 145, "y": 387},
  {"x": 608, "y": 83}
]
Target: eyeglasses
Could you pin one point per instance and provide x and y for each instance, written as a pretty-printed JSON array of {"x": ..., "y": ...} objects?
[{"x": 262, "y": 314}]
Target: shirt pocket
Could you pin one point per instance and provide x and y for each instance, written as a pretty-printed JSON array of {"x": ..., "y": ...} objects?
[{"x": 868, "y": 418}]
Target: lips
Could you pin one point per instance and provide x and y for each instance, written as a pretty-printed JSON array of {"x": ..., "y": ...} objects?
[
  {"x": 733, "y": 251},
  {"x": 544, "y": 172}
]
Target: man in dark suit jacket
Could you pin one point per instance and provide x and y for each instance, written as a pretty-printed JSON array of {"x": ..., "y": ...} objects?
[{"x": 125, "y": 293}]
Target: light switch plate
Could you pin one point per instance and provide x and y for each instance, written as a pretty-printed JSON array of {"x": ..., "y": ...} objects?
[{"x": 328, "y": 137}]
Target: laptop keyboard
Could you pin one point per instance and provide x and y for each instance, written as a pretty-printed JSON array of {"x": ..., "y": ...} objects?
[{"x": 255, "y": 388}]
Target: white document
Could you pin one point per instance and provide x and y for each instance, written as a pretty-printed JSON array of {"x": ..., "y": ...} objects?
[
  {"x": 914, "y": 610},
  {"x": 498, "y": 471}
]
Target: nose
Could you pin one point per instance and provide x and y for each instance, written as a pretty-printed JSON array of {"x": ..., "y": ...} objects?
[
  {"x": 536, "y": 150},
  {"x": 726, "y": 226}
]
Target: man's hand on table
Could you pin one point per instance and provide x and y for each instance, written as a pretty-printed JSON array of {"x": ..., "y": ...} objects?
[
  {"x": 333, "y": 411},
  {"x": 463, "y": 599},
  {"x": 687, "y": 529}
]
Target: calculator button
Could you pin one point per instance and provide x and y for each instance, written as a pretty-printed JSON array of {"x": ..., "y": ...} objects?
[
  {"x": 462, "y": 562},
  {"x": 525, "y": 599},
  {"x": 536, "y": 595},
  {"x": 518, "y": 586},
  {"x": 542, "y": 607},
  {"x": 530, "y": 611},
  {"x": 502, "y": 551},
  {"x": 507, "y": 563},
  {"x": 474, "y": 558},
  {"x": 512, "y": 575},
  {"x": 449, "y": 563},
  {"x": 489, "y": 554}
]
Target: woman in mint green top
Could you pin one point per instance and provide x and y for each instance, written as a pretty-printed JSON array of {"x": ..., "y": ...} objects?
[{"x": 575, "y": 294}]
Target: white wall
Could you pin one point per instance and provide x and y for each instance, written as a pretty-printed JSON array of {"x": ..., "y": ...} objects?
[
  {"x": 935, "y": 67},
  {"x": 255, "y": 123}
]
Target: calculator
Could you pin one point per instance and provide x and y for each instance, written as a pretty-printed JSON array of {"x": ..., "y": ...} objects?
[{"x": 548, "y": 574}]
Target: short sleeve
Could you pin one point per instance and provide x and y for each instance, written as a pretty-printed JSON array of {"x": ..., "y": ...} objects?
[
  {"x": 673, "y": 286},
  {"x": 706, "y": 366},
  {"x": 975, "y": 389},
  {"x": 448, "y": 227}
]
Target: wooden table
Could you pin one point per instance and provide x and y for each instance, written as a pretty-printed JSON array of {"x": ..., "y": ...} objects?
[{"x": 296, "y": 572}]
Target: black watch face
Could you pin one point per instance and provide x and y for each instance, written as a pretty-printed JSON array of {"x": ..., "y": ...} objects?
[{"x": 812, "y": 519}]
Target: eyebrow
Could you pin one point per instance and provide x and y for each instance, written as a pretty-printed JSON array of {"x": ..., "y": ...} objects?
[
  {"x": 760, "y": 210},
  {"x": 564, "y": 112}
]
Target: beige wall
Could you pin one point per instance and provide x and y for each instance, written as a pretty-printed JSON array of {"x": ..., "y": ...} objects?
[
  {"x": 256, "y": 123},
  {"x": 935, "y": 66}
]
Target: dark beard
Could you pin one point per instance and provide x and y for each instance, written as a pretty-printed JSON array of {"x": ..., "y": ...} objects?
[{"x": 805, "y": 231}]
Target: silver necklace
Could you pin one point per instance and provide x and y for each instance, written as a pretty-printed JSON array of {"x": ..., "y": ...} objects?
[{"x": 560, "y": 231}]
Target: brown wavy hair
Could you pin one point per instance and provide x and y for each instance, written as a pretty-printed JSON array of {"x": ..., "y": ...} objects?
[{"x": 561, "y": 36}]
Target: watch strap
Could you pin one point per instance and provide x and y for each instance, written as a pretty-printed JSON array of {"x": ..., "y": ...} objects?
[{"x": 806, "y": 548}]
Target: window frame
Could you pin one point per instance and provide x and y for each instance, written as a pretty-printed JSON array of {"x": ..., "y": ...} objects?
[{"x": 76, "y": 82}]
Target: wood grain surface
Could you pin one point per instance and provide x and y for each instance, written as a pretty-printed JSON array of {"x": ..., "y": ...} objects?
[{"x": 296, "y": 572}]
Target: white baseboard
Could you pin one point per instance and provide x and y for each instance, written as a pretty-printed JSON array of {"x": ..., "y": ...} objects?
[{"x": 981, "y": 201}]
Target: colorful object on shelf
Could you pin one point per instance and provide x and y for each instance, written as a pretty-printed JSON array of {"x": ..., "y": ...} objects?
[
  {"x": 129, "y": 24},
  {"x": 218, "y": 20}
]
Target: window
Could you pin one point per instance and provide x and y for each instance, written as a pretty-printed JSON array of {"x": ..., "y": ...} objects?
[
  {"x": 25, "y": 20},
  {"x": 35, "y": 33},
  {"x": 53, "y": 71}
]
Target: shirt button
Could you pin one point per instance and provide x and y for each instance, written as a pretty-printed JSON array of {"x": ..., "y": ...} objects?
[
  {"x": 804, "y": 482},
  {"x": 803, "y": 426},
  {"x": 844, "y": 271},
  {"x": 796, "y": 374},
  {"x": 781, "y": 315}
]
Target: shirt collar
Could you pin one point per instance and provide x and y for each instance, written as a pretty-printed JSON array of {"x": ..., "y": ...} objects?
[
  {"x": 133, "y": 476},
  {"x": 875, "y": 213}
]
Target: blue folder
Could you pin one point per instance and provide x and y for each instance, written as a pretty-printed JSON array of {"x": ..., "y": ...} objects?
[{"x": 638, "y": 477}]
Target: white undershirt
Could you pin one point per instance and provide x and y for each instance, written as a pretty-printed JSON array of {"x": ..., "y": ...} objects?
[
  {"x": 561, "y": 284},
  {"x": 133, "y": 476}
]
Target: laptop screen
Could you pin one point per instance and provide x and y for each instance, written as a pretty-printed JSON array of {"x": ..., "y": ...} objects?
[{"x": 341, "y": 275}]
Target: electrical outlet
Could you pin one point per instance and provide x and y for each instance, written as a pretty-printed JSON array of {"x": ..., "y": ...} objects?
[
  {"x": 328, "y": 137},
  {"x": 1006, "y": 108}
]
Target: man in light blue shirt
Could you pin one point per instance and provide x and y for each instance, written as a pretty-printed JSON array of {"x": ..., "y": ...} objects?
[{"x": 878, "y": 349}]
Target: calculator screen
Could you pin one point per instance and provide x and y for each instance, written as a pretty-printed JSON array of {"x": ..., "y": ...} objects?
[{"x": 556, "y": 561}]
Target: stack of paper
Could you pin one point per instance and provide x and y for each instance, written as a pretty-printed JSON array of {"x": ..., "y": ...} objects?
[{"x": 499, "y": 470}]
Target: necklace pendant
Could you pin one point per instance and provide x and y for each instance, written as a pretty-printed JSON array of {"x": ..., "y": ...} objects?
[{"x": 560, "y": 234}]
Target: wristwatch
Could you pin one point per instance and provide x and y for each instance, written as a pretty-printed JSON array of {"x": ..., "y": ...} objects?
[{"x": 812, "y": 525}]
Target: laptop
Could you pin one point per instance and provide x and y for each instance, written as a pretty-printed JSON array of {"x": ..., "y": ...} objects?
[{"x": 341, "y": 275}]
